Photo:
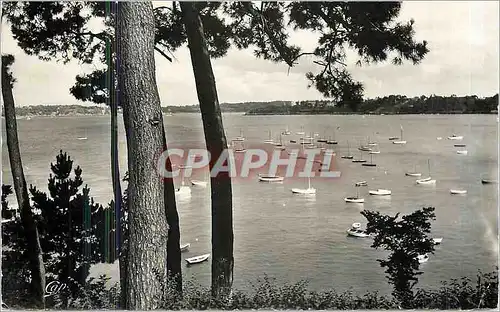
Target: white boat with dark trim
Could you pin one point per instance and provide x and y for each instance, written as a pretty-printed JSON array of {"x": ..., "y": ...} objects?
[
  {"x": 308, "y": 191},
  {"x": 355, "y": 200},
  {"x": 361, "y": 183},
  {"x": 185, "y": 247},
  {"x": 458, "y": 191},
  {"x": 422, "y": 258},
  {"x": 199, "y": 183},
  {"x": 270, "y": 139},
  {"x": 198, "y": 259},
  {"x": 348, "y": 156},
  {"x": 240, "y": 138},
  {"x": 380, "y": 192},
  {"x": 374, "y": 152},
  {"x": 400, "y": 141},
  {"x": 462, "y": 152},
  {"x": 427, "y": 180},
  {"x": 356, "y": 231},
  {"x": 455, "y": 137},
  {"x": 413, "y": 173},
  {"x": 270, "y": 178}
]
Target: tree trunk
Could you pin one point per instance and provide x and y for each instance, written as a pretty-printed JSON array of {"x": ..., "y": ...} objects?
[
  {"x": 148, "y": 229},
  {"x": 222, "y": 214},
  {"x": 174, "y": 234},
  {"x": 34, "y": 249},
  {"x": 115, "y": 162}
]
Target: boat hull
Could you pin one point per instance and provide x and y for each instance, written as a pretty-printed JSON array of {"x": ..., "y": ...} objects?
[
  {"x": 429, "y": 182},
  {"x": 380, "y": 192},
  {"x": 459, "y": 192},
  {"x": 310, "y": 191},
  {"x": 399, "y": 142},
  {"x": 198, "y": 259},
  {"x": 357, "y": 234},
  {"x": 354, "y": 200},
  {"x": 413, "y": 174},
  {"x": 271, "y": 179}
]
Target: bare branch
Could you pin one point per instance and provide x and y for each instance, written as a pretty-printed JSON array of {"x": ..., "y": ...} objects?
[{"x": 163, "y": 54}]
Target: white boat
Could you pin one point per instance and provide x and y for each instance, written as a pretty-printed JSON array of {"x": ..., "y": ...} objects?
[
  {"x": 458, "y": 191},
  {"x": 356, "y": 231},
  {"x": 287, "y": 131},
  {"x": 270, "y": 140},
  {"x": 422, "y": 258},
  {"x": 437, "y": 241},
  {"x": 393, "y": 138},
  {"x": 414, "y": 173},
  {"x": 361, "y": 183},
  {"x": 301, "y": 132},
  {"x": 365, "y": 148},
  {"x": 488, "y": 181},
  {"x": 198, "y": 259},
  {"x": 268, "y": 178},
  {"x": 400, "y": 141},
  {"x": 439, "y": 138},
  {"x": 83, "y": 138},
  {"x": 462, "y": 152},
  {"x": 348, "y": 156},
  {"x": 185, "y": 247},
  {"x": 199, "y": 183},
  {"x": 427, "y": 180},
  {"x": 380, "y": 192},
  {"x": 355, "y": 200},
  {"x": 183, "y": 190},
  {"x": 455, "y": 137},
  {"x": 308, "y": 191},
  {"x": 374, "y": 152},
  {"x": 240, "y": 138}
]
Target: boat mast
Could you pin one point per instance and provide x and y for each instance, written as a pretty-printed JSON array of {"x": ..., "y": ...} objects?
[
  {"x": 348, "y": 149},
  {"x": 401, "y": 132},
  {"x": 309, "y": 182}
]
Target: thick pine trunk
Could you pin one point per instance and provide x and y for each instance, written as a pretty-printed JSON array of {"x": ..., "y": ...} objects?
[
  {"x": 222, "y": 214},
  {"x": 148, "y": 229},
  {"x": 34, "y": 249}
]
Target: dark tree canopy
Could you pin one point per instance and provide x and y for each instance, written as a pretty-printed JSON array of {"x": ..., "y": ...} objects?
[
  {"x": 60, "y": 30},
  {"x": 405, "y": 238}
]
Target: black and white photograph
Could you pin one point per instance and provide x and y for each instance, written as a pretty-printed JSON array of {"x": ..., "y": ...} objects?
[{"x": 249, "y": 155}]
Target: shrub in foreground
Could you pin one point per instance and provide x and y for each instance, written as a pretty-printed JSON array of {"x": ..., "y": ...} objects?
[{"x": 267, "y": 294}]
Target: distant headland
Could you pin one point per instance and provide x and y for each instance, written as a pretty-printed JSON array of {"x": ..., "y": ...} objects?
[{"x": 388, "y": 105}]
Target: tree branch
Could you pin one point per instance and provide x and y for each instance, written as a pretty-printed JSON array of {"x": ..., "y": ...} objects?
[
  {"x": 163, "y": 54},
  {"x": 281, "y": 50}
]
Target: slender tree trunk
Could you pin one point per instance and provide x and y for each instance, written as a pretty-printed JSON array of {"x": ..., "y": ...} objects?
[
  {"x": 174, "y": 234},
  {"x": 148, "y": 229},
  {"x": 222, "y": 214},
  {"x": 34, "y": 249},
  {"x": 115, "y": 162}
]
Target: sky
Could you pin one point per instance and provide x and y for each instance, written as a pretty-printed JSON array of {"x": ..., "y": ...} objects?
[{"x": 463, "y": 39}]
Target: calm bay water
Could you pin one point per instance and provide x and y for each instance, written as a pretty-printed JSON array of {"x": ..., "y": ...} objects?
[{"x": 291, "y": 237}]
